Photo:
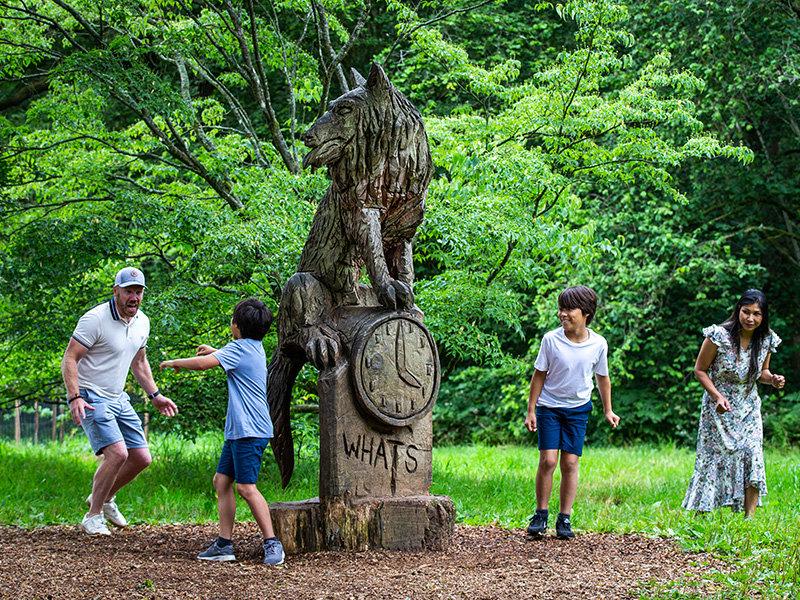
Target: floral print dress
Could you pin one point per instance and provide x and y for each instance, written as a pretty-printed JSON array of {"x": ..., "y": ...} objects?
[{"x": 729, "y": 446}]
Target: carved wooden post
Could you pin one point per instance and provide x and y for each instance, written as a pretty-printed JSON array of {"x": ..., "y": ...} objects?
[
  {"x": 375, "y": 444},
  {"x": 379, "y": 368}
]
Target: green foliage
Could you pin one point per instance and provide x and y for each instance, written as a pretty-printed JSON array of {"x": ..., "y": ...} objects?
[
  {"x": 506, "y": 211},
  {"x": 664, "y": 281},
  {"x": 782, "y": 419},
  {"x": 481, "y": 406},
  {"x": 746, "y": 55},
  {"x": 680, "y": 266},
  {"x": 569, "y": 145},
  {"x": 674, "y": 251}
]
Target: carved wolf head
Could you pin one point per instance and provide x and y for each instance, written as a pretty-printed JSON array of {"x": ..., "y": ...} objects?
[{"x": 374, "y": 144}]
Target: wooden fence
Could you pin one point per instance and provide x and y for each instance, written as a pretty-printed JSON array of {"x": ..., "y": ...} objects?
[{"x": 41, "y": 422}]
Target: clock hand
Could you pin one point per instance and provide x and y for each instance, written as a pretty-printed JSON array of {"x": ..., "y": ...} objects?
[{"x": 400, "y": 359}]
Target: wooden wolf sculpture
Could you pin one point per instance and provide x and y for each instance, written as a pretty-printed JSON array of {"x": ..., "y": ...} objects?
[{"x": 374, "y": 144}]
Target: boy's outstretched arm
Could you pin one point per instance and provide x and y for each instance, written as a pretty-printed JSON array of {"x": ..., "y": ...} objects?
[
  {"x": 195, "y": 363},
  {"x": 537, "y": 382},
  {"x": 604, "y": 387}
]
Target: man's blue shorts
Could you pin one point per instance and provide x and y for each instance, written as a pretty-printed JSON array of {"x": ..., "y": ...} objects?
[
  {"x": 241, "y": 459},
  {"x": 111, "y": 421},
  {"x": 562, "y": 428}
]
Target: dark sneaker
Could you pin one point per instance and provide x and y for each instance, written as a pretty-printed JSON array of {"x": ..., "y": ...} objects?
[
  {"x": 538, "y": 524},
  {"x": 564, "y": 528},
  {"x": 273, "y": 553},
  {"x": 217, "y": 554}
]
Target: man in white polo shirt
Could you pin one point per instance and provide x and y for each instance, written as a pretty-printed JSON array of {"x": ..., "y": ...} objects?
[{"x": 108, "y": 340}]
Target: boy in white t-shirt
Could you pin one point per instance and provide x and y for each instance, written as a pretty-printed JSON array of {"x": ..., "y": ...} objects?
[{"x": 559, "y": 402}]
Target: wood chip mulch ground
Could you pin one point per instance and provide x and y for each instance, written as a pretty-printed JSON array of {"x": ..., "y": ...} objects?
[{"x": 482, "y": 563}]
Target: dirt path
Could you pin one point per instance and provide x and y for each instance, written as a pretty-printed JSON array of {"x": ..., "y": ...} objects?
[{"x": 158, "y": 562}]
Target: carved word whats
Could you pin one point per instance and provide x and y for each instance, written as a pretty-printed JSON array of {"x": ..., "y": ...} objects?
[{"x": 378, "y": 452}]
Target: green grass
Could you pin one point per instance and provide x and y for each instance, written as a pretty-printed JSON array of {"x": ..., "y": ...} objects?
[
  {"x": 46, "y": 484},
  {"x": 621, "y": 490},
  {"x": 640, "y": 489}
]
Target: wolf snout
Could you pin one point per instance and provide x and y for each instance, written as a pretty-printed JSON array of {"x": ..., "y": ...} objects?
[{"x": 309, "y": 139}]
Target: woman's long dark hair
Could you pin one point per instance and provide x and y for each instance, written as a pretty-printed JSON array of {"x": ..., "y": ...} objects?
[{"x": 734, "y": 328}]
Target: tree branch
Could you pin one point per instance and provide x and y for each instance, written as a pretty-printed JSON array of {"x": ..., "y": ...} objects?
[
  {"x": 53, "y": 205},
  {"x": 406, "y": 34},
  {"x": 80, "y": 19},
  {"x": 26, "y": 92},
  {"x": 214, "y": 286},
  {"x": 509, "y": 249},
  {"x": 336, "y": 60},
  {"x": 254, "y": 75},
  {"x": 238, "y": 110},
  {"x": 613, "y": 162},
  {"x": 577, "y": 85}
]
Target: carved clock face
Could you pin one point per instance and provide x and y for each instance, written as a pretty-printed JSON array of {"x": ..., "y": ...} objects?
[{"x": 396, "y": 369}]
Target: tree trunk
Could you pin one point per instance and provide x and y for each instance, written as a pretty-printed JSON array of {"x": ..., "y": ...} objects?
[{"x": 408, "y": 524}]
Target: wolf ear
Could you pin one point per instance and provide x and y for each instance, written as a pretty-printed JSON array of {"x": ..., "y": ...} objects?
[
  {"x": 358, "y": 78},
  {"x": 377, "y": 82}
]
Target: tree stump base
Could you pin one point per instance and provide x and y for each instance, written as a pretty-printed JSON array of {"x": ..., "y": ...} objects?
[{"x": 412, "y": 523}]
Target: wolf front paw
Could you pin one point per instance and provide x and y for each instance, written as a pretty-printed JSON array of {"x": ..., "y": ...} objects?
[
  {"x": 395, "y": 295},
  {"x": 322, "y": 348}
]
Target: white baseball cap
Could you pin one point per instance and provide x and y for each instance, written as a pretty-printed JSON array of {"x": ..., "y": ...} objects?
[{"x": 129, "y": 276}]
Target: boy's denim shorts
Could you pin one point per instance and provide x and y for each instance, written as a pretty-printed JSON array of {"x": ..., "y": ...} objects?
[
  {"x": 241, "y": 459},
  {"x": 112, "y": 421},
  {"x": 563, "y": 428}
]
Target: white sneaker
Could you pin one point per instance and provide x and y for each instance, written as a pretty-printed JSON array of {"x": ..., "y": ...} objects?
[
  {"x": 111, "y": 512},
  {"x": 95, "y": 525}
]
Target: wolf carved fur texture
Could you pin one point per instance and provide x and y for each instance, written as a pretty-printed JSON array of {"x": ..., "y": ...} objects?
[{"x": 373, "y": 142}]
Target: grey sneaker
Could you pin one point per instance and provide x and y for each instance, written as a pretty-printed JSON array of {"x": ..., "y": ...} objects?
[
  {"x": 273, "y": 552},
  {"x": 564, "y": 528},
  {"x": 217, "y": 554},
  {"x": 95, "y": 525},
  {"x": 538, "y": 524},
  {"x": 111, "y": 512}
]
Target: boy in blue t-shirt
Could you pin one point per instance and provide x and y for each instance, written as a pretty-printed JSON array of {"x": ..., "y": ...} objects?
[{"x": 248, "y": 427}]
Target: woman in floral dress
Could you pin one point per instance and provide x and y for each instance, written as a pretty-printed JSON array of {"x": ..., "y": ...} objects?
[{"x": 729, "y": 468}]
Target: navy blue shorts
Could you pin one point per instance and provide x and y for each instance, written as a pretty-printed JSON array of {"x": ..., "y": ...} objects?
[
  {"x": 563, "y": 428},
  {"x": 241, "y": 459}
]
